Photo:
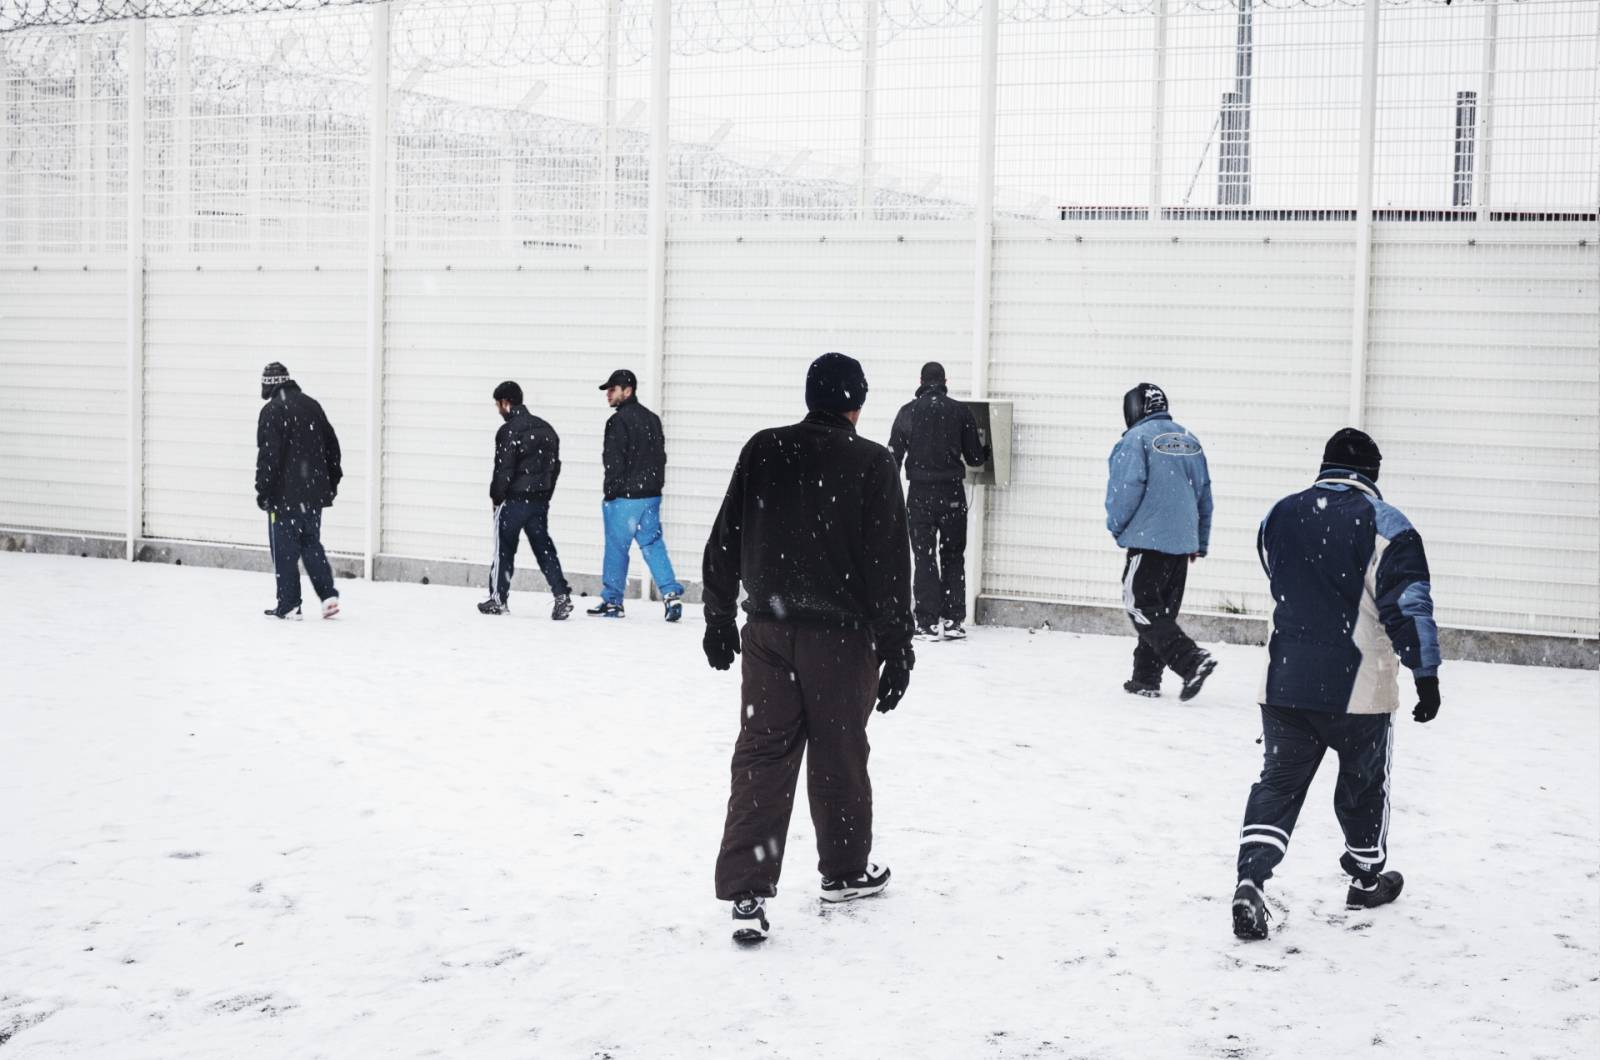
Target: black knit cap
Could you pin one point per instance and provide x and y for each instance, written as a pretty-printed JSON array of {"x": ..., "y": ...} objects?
[
  {"x": 835, "y": 383},
  {"x": 932, "y": 372},
  {"x": 273, "y": 376},
  {"x": 1352, "y": 450}
]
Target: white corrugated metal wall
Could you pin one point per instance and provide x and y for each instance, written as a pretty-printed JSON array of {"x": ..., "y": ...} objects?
[
  {"x": 64, "y": 397},
  {"x": 208, "y": 331},
  {"x": 1250, "y": 336},
  {"x": 559, "y": 329},
  {"x": 749, "y": 308}
]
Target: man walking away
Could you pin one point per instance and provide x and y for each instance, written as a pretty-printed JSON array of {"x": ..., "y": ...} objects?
[
  {"x": 297, "y": 475},
  {"x": 1351, "y": 591},
  {"x": 527, "y": 463},
  {"x": 936, "y": 437},
  {"x": 635, "y": 458},
  {"x": 1158, "y": 507},
  {"x": 814, "y": 527}
]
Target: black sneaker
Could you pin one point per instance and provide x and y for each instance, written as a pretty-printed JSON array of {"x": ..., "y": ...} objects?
[
  {"x": 750, "y": 920},
  {"x": 291, "y": 613},
  {"x": 954, "y": 630},
  {"x": 562, "y": 607},
  {"x": 492, "y": 606},
  {"x": 1249, "y": 912},
  {"x": 1191, "y": 687},
  {"x": 1385, "y": 889},
  {"x": 1139, "y": 688},
  {"x": 927, "y": 631},
  {"x": 605, "y": 610},
  {"x": 674, "y": 606},
  {"x": 873, "y": 880}
]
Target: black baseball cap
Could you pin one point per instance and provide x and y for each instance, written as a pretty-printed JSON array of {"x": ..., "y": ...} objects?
[{"x": 621, "y": 377}]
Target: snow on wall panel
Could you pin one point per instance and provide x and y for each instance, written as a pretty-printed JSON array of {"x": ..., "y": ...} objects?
[
  {"x": 208, "y": 333},
  {"x": 452, "y": 335},
  {"x": 749, "y": 308},
  {"x": 1249, "y": 336},
  {"x": 1484, "y": 395},
  {"x": 64, "y": 398}
]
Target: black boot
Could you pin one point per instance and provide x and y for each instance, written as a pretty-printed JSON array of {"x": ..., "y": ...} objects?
[
  {"x": 1249, "y": 912},
  {"x": 1191, "y": 685},
  {"x": 1385, "y": 889}
]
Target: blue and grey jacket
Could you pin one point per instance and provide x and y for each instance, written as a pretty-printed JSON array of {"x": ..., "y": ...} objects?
[
  {"x": 1350, "y": 581},
  {"x": 1159, "y": 493}
]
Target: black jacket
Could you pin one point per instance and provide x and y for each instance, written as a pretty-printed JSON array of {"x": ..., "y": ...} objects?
[
  {"x": 527, "y": 459},
  {"x": 933, "y": 434},
  {"x": 814, "y": 525},
  {"x": 297, "y": 453},
  {"x": 635, "y": 452}
]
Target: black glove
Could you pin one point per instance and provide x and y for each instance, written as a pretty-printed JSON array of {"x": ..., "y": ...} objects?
[
  {"x": 261, "y": 502},
  {"x": 1427, "y": 707},
  {"x": 892, "y": 684},
  {"x": 721, "y": 644}
]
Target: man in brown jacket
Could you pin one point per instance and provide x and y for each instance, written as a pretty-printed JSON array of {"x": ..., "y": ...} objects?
[{"x": 814, "y": 526}]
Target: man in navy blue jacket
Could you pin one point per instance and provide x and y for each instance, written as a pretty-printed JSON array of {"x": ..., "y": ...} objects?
[
  {"x": 1158, "y": 507},
  {"x": 1350, "y": 581}
]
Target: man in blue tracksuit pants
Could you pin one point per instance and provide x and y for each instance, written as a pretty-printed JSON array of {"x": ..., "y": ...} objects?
[
  {"x": 635, "y": 458},
  {"x": 1351, "y": 589},
  {"x": 1158, "y": 507}
]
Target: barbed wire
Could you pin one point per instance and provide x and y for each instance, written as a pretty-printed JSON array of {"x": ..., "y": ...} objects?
[{"x": 571, "y": 32}]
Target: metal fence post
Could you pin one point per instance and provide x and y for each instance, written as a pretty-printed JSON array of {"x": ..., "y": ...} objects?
[
  {"x": 983, "y": 275},
  {"x": 1491, "y": 37},
  {"x": 377, "y": 268},
  {"x": 1158, "y": 108},
  {"x": 869, "y": 107},
  {"x": 135, "y": 268},
  {"x": 653, "y": 384},
  {"x": 1363, "y": 264}
]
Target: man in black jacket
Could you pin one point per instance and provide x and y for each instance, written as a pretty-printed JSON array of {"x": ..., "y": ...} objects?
[
  {"x": 527, "y": 463},
  {"x": 635, "y": 457},
  {"x": 297, "y": 475},
  {"x": 814, "y": 526},
  {"x": 936, "y": 437}
]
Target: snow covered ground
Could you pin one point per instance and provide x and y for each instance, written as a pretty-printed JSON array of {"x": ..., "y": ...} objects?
[{"x": 417, "y": 831}]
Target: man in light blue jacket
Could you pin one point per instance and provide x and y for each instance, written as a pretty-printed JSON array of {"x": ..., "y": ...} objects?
[{"x": 1158, "y": 507}]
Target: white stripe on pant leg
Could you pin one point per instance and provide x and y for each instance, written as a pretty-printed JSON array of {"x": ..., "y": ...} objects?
[
  {"x": 494, "y": 558},
  {"x": 1263, "y": 828},
  {"x": 1388, "y": 769},
  {"x": 1128, "y": 604}
]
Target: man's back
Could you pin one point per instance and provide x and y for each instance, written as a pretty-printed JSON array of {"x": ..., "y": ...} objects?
[
  {"x": 297, "y": 452},
  {"x": 814, "y": 526},
  {"x": 1350, "y": 589},
  {"x": 936, "y": 436},
  {"x": 527, "y": 457}
]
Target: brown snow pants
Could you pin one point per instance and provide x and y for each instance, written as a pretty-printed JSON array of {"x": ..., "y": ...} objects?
[{"x": 802, "y": 687}]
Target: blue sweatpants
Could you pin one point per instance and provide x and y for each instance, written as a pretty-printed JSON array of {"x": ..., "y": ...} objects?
[
  {"x": 1293, "y": 742},
  {"x": 630, "y": 519}
]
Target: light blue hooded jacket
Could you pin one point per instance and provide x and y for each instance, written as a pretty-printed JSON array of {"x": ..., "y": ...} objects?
[{"x": 1159, "y": 493}]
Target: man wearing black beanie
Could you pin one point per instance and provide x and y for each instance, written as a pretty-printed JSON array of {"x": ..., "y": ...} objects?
[
  {"x": 1351, "y": 593},
  {"x": 297, "y": 475},
  {"x": 814, "y": 527}
]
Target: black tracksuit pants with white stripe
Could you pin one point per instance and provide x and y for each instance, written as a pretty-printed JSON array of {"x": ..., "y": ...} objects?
[
  {"x": 512, "y": 519},
  {"x": 1152, "y": 593},
  {"x": 1294, "y": 742}
]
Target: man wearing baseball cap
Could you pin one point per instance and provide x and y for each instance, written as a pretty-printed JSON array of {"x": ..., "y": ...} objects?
[{"x": 635, "y": 458}]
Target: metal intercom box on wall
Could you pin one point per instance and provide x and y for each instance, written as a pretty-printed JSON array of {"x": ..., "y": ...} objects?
[{"x": 994, "y": 427}]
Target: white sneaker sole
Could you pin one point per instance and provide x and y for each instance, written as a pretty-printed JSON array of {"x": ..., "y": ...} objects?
[
  {"x": 850, "y": 894},
  {"x": 748, "y": 933},
  {"x": 330, "y": 607}
]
